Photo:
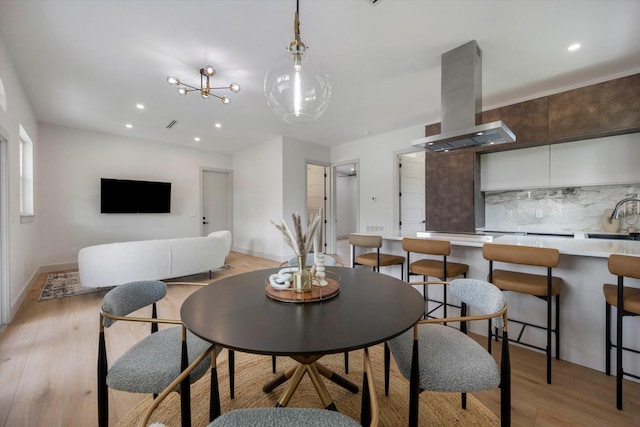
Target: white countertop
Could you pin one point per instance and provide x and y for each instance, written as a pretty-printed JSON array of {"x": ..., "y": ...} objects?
[{"x": 600, "y": 248}]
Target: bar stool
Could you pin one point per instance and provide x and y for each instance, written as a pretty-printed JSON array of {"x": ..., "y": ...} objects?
[
  {"x": 442, "y": 270},
  {"x": 375, "y": 259},
  {"x": 627, "y": 302},
  {"x": 543, "y": 286}
]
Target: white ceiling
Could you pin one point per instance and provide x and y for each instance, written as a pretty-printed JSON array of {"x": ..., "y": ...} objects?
[{"x": 86, "y": 63}]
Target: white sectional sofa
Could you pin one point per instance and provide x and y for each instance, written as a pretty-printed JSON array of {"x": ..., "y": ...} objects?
[{"x": 113, "y": 264}]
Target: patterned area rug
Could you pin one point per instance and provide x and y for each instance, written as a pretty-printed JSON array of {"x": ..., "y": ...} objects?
[
  {"x": 60, "y": 285},
  {"x": 253, "y": 371}
]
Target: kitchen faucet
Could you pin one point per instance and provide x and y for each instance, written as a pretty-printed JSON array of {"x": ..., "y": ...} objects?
[{"x": 615, "y": 214}]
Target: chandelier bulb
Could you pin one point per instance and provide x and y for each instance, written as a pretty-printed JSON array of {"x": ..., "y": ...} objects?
[
  {"x": 173, "y": 80},
  {"x": 225, "y": 100},
  {"x": 208, "y": 70},
  {"x": 235, "y": 88},
  {"x": 182, "y": 91},
  {"x": 204, "y": 95}
]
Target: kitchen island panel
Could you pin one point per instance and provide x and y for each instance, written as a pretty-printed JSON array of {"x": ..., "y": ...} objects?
[{"x": 583, "y": 267}]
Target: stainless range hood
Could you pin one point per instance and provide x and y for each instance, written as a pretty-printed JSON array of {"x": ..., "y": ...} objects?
[{"x": 462, "y": 105}]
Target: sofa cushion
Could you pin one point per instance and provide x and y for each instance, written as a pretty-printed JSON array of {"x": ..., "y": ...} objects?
[
  {"x": 196, "y": 254},
  {"x": 117, "y": 263}
]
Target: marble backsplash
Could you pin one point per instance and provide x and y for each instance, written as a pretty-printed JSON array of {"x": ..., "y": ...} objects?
[{"x": 569, "y": 209}]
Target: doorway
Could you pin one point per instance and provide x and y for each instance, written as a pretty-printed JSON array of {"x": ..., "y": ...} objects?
[
  {"x": 411, "y": 194},
  {"x": 216, "y": 187},
  {"x": 346, "y": 206},
  {"x": 317, "y": 198}
]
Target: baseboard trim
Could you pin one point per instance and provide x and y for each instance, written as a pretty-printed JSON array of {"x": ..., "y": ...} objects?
[
  {"x": 17, "y": 303},
  {"x": 259, "y": 254}
]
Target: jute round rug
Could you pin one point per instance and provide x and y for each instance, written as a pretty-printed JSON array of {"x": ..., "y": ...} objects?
[{"x": 253, "y": 371}]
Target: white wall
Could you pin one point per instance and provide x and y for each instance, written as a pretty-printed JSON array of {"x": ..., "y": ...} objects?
[
  {"x": 24, "y": 244},
  {"x": 258, "y": 199},
  {"x": 346, "y": 205},
  {"x": 296, "y": 156},
  {"x": 69, "y": 189},
  {"x": 377, "y": 172},
  {"x": 270, "y": 184}
]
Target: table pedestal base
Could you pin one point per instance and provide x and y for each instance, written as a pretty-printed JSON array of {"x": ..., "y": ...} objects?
[{"x": 310, "y": 366}]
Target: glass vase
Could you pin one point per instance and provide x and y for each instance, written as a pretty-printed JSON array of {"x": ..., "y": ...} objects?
[{"x": 302, "y": 277}]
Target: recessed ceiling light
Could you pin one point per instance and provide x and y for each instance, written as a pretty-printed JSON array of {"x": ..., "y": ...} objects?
[
  {"x": 218, "y": 125},
  {"x": 196, "y": 139},
  {"x": 573, "y": 47},
  {"x": 140, "y": 106},
  {"x": 129, "y": 125}
]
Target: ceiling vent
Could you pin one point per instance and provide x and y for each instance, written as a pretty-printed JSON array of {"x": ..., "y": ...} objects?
[{"x": 461, "y": 87}]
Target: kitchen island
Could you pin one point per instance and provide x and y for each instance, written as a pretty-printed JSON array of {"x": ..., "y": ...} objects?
[{"x": 583, "y": 267}]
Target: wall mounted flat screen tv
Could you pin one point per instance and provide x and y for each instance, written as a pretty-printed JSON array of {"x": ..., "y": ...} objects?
[{"x": 128, "y": 196}]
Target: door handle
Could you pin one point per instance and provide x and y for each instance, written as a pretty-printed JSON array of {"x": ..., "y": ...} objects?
[{"x": 205, "y": 222}]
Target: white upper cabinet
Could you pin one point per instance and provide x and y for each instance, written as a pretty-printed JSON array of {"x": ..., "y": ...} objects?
[
  {"x": 601, "y": 161},
  {"x": 515, "y": 169}
]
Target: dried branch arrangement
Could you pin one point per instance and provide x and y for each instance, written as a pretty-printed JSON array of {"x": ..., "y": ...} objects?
[{"x": 298, "y": 240}]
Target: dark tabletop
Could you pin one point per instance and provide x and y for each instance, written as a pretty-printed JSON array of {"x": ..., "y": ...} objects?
[{"x": 236, "y": 313}]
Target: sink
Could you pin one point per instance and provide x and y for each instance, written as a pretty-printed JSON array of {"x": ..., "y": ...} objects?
[{"x": 613, "y": 236}]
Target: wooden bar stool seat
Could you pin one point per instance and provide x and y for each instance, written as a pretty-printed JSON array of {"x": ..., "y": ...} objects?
[
  {"x": 435, "y": 268},
  {"x": 626, "y": 299},
  {"x": 371, "y": 259},
  {"x": 631, "y": 297},
  {"x": 544, "y": 286},
  {"x": 526, "y": 283}
]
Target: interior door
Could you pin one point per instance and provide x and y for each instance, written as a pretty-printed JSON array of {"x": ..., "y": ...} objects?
[
  {"x": 412, "y": 191},
  {"x": 316, "y": 197},
  {"x": 216, "y": 201}
]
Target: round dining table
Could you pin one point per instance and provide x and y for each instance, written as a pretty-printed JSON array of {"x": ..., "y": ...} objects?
[{"x": 236, "y": 313}]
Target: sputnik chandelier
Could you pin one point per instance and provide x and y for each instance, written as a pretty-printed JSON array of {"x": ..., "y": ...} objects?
[
  {"x": 205, "y": 88},
  {"x": 297, "y": 88}
]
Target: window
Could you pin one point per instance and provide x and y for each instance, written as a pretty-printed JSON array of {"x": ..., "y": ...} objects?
[
  {"x": 3, "y": 97},
  {"x": 26, "y": 174}
]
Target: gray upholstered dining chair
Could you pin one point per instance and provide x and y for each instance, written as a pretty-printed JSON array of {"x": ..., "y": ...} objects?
[
  {"x": 283, "y": 416},
  {"x": 155, "y": 361},
  {"x": 436, "y": 357}
]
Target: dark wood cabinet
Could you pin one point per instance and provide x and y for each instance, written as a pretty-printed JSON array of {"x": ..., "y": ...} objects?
[
  {"x": 528, "y": 120},
  {"x": 454, "y": 199},
  {"x": 450, "y": 181},
  {"x": 600, "y": 109}
]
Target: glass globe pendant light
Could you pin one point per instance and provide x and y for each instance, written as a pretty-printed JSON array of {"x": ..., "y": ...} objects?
[{"x": 297, "y": 88}]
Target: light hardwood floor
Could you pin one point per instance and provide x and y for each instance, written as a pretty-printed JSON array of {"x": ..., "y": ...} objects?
[{"x": 48, "y": 364}]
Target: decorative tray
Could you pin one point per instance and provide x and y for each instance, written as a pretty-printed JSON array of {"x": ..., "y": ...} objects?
[{"x": 317, "y": 293}]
